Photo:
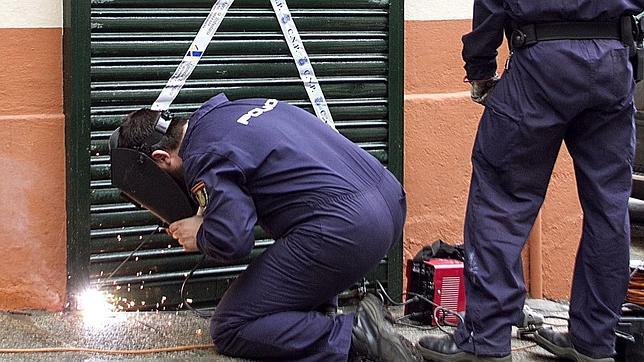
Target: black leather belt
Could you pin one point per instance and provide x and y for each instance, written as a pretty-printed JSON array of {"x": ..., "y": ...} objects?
[{"x": 526, "y": 35}]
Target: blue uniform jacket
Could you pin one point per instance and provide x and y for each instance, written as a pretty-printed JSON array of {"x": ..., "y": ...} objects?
[
  {"x": 267, "y": 161},
  {"x": 492, "y": 17}
]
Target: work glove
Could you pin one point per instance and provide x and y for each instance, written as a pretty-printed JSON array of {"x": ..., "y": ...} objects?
[{"x": 482, "y": 88}]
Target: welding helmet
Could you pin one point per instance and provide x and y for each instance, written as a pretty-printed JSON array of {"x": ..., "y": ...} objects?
[{"x": 142, "y": 182}]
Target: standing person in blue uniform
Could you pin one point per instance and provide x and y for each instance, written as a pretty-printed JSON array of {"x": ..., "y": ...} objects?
[
  {"x": 333, "y": 210},
  {"x": 568, "y": 79}
]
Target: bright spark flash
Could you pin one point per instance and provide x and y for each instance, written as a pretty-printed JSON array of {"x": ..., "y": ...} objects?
[{"x": 96, "y": 307}]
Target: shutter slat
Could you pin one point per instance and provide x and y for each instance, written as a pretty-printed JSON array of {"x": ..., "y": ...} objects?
[
  {"x": 152, "y": 261},
  {"x": 358, "y": 135},
  {"x": 117, "y": 246},
  {"x": 345, "y": 116},
  {"x": 235, "y": 47},
  {"x": 293, "y": 4},
  {"x": 237, "y": 23},
  {"x": 280, "y": 69},
  {"x": 119, "y": 219},
  {"x": 278, "y": 90}
]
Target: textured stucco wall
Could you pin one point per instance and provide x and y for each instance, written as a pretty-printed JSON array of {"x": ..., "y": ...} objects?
[
  {"x": 440, "y": 124},
  {"x": 32, "y": 156}
]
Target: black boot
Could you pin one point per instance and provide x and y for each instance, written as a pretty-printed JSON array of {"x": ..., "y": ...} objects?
[
  {"x": 374, "y": 338},
  {"x": 444, "y": 349},
  {"x": 559, "y": 344}
]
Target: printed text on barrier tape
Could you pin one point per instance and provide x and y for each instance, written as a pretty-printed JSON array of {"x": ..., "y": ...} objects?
[
  {"x": 302, "y": 62},
  {"x": 192, "y": 57}
]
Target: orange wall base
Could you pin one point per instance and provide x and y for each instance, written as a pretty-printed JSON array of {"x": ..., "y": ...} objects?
[
  {"x": 440, "y": 126},
  {"x": 32, "y": 171},
  {"x": 32, "y": 190}
]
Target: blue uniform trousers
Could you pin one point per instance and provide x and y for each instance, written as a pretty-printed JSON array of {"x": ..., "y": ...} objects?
[
  {"x": 579, "y": 92},
  {"x": 268, "y": 313}
]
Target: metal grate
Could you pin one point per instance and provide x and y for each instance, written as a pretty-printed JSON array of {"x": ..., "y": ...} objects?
[
  {"x": 136, "y": 46},
  {"x": 449, "y": 296}
]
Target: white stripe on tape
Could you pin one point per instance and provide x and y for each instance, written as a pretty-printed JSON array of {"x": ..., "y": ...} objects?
[
  {"x": 192, "y": 57},
  {"x": 302, "y": 62}
]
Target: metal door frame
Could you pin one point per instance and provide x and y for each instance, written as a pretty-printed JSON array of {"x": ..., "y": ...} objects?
[
  {"x": 76, "y": 73},
  {"x": 77, "y": 102},
  {"x": 395, "y": 94}
]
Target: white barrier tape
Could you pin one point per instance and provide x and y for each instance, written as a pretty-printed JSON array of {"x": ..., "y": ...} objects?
[
  {"x": 302, "y": 62},
  {"x": 193, "y": 56},
  {"x": 208, "y": 30}
]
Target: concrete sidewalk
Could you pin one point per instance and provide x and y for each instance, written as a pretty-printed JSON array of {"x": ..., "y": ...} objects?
[{"x": 165, "y": 329}]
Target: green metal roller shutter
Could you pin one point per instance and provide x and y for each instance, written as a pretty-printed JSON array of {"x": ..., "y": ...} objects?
[{"x": 135, "y": 47}]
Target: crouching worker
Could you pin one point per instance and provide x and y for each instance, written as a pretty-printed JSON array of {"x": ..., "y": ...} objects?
[{"x": 333, "y": 210}]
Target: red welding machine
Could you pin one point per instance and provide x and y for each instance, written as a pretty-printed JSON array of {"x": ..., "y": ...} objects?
[{"x": 439, "y": 280}]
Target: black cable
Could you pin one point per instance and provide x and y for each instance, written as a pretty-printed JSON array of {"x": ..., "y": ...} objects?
[
  {"x": 437, "y": 307},
  {"x": 440, "y": 322},
  {"x": 183, "y": 286},
  {"x": 555, "y": 317},
  {"x": 134, "y": 251},
  {"x": 386, "y": 295}
]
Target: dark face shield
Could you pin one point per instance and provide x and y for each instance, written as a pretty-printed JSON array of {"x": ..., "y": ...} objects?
[{"x": 145, "y": 184}]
